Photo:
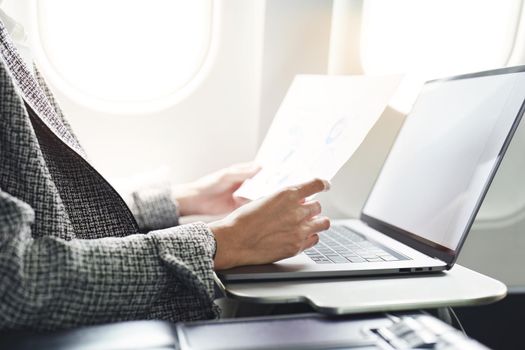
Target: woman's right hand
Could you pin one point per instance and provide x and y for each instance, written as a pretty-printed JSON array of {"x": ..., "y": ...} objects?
[{"x": 271, "y": 228}]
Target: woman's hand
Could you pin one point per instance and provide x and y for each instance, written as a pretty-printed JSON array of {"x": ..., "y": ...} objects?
[
  {"x": 213, "y": 194},
  {"x": 271, "y": 228}
]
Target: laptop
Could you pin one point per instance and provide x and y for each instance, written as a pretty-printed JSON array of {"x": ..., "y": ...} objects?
[{"x": 427, "y": 195}]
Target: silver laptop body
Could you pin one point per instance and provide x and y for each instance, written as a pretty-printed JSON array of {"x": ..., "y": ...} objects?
[{"x": 430, "y": 188}]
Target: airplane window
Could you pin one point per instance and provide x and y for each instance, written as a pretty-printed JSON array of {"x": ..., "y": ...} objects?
[
  {"x": 435, "y": 38},
  {"x": 134, "y": 55}
]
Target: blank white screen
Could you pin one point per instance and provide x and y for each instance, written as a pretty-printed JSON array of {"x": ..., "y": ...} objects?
[{"x": 443, "y": 157}]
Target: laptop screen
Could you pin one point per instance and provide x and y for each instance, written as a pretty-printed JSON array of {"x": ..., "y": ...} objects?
[{"x": 437, "y": 173}]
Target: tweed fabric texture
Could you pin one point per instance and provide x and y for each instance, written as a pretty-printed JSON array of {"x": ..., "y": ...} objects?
[
  {"x": 153, "y": 208},
  {"x": 71, "y": 252}
]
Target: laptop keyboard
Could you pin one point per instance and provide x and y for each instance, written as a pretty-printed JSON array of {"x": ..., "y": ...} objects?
[{"x": 342, "y": 245}]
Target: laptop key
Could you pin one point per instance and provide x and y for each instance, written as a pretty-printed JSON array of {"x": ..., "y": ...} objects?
[
  {"x": 341, "y": 250},
  {"x": 356, "y": 260},
  {"x": 330, "y": 256},
  {"x": 338, "y": 259},
  {"x": 357, "y": 238},
  {"x": 369, "y": 256},
  {"x": 389, "y": 258},
  {"x": 324, "y": 252},
  {"x": 378, "y": 251},
  {"x": 374, "y": 259},
  {"x": 311, "y": 252}
]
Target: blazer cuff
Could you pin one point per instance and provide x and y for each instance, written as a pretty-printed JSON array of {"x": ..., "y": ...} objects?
[
  {"x": 155, "y": 208},
  {"x": 189, "y": 255}
]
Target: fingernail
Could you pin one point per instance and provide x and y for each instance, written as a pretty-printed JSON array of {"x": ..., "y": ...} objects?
[{"x": 327, "y": 185}]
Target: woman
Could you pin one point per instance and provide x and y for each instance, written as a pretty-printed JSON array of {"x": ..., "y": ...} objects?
[{"x": 73, "y": 253}]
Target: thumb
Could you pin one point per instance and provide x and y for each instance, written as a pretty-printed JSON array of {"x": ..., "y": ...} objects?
[
  {"x": 240, "y": 201},
  {"x": 242, "y": 173}
]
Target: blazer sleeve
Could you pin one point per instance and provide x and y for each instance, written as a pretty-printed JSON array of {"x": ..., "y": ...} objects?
[
  {"x": 154, "y": 208},
  {"x": 49, "y": 283}
]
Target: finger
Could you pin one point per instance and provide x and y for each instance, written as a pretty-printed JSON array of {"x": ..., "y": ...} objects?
[
  {"x": 240, "y": 201},
  {"x": 240, "y": 174},
  {"x": 235, "y": 186},
  {"x": 310, "y": 209},
  {"x": 311, "y": 241},
  {"x": 317, "y": 224},
  {"x": 312, "y": 187}
]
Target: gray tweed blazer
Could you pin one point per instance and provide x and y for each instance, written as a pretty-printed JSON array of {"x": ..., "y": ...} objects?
[{"x": 71, "y": 251}]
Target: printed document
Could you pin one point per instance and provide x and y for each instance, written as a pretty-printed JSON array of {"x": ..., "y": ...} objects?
[{"x": 319, "y": 125}]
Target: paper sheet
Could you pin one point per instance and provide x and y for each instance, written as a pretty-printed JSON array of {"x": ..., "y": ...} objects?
[{"x": 319, "y": 125}]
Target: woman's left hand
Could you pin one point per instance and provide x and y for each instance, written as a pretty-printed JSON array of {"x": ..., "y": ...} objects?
[{"x": 213, "y": 193}]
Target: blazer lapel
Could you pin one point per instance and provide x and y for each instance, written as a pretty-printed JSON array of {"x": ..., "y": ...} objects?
[{"x": 32, "y": 93}]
